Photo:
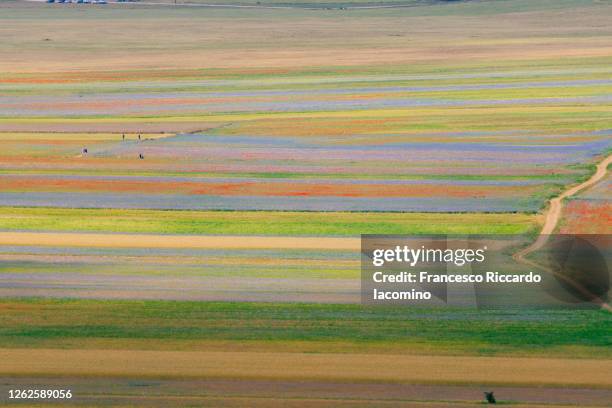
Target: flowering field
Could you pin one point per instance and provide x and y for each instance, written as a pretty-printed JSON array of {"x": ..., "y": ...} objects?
[
  {"x": 347, "y": 123},
  {"x": 348, "y": 143},
  {"x": 362, "y": 111},
  {"x": 590, "y": 212},
  {"x": 197, "y": 178},
  {"x": 341, "y": 127}
]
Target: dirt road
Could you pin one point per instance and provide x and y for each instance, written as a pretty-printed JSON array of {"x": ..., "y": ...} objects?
[
  {"x": 552, "y": 219},
  {"x": 555, "y": 207}
]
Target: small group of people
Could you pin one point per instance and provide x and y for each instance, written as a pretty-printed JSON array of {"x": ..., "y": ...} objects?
[{"x": 84, "y": 151}]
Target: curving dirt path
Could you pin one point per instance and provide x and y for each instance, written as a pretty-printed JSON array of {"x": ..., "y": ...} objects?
[
  {"x": 554, "y": 214},
  {"x": 556, "y": 205}
]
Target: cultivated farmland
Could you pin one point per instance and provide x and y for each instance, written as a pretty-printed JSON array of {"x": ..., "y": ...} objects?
[{"x": 182, "y": 190}]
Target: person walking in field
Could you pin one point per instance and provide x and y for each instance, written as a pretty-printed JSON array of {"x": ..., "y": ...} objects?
[
  {"x": 140, "y": 156},
  {"x": 123, "y": 136}
]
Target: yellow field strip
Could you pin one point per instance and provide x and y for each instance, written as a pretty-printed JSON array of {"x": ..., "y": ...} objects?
[
  {"x": 297, "y": 366},
  {"x": 175, "y": 241},
  {"x": 413, "y": 112}
]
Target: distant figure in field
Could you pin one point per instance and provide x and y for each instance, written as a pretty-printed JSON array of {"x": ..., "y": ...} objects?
[
  {"x": 123, "y": 136},
  {"x": 140, "y": 156},
  {"x": 490, "y": 397},
  {"x": 84, "y": 150},
  {"x": 139, "y": 137}
]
